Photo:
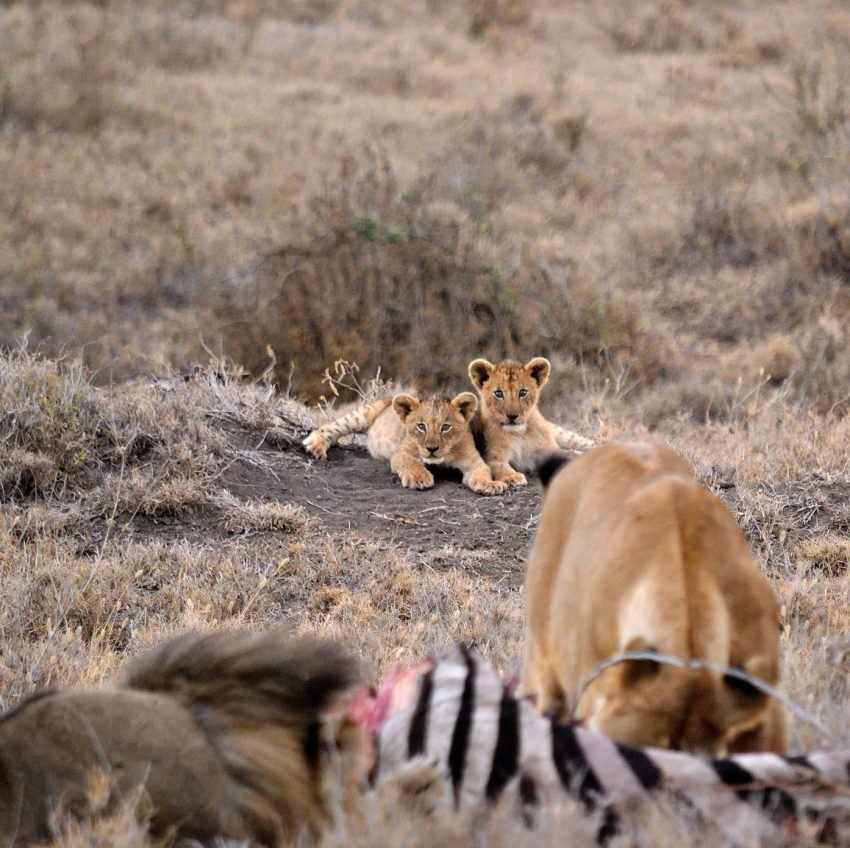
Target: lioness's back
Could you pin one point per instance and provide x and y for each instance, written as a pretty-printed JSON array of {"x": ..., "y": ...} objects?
[{"x": 632, "y": 554}]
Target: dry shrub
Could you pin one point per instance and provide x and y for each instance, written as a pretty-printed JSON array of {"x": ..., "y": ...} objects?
[
  {"x": 484, "y": 14},
  {"x": 242, "y": 516},
  {"x": 60, "y": 433},
  {"x": 54, "y": 425},
  {"x": 667, "y": 25},
  {"x": 56, "y": 73},
  {"x": 299, "y": 11},
  {"x": 727, "y": 226},
  {"x": 494, "y": 154},
  {"x": 479, "y": 18},
  {"x": 99, "y": 822},
  {"x": 408, "y": 282},
  {"x": 820, "y": 235},
  {"x": 818, "y": 94}
]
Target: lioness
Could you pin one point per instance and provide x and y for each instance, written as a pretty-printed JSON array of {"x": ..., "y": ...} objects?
[
  {"x": 509, "y": 425},
  {"x": 633, "y": 555},
  {"x": 413, "y": 434}
]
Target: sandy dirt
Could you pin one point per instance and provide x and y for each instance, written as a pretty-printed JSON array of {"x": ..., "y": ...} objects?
[{"x": 351, "y": 491}]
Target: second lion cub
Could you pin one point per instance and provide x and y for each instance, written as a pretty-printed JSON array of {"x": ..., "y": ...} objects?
[
  {"x": 413, "y": 434},
  {"x": 515, "y": 435}
]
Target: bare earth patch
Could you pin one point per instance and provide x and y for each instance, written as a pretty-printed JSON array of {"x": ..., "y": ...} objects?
[{"x": 351, "y": 491}]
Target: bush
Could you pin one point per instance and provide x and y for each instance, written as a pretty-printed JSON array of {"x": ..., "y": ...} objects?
[
  {"x": 56, "y": 73},
  {"x": 408, "y": 282},
  {"x": 667, "y": 25}
]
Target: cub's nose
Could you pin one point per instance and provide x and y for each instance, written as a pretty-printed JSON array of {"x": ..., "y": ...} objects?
[
  {"x": 433, "y": 450},
  {"x": 512, "y": 416}
]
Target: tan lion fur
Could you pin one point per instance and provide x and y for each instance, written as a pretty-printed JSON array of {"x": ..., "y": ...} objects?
[
  {"x": 514, "y": 434},
  {"x": 632, "y": 554},
  {"x": 413, "y": 434},
  {"x": 219, "y": 730}
]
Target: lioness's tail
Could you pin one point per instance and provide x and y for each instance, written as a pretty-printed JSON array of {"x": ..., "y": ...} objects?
[
  {"x": 258, "y": 698},
  {"x": 358, "y": 421}
]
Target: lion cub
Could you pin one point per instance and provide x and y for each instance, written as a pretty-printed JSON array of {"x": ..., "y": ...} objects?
[
  {"x": 509, "y": 424},
  {"x": 413, "y": 434},
  {"x": 632, "y": 554}
]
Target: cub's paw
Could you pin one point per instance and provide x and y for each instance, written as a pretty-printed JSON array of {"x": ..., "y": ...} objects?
[
  {"x": 484, "y": 484},
  {"x": 416, "y": 478},
  {"x": 316, "y": 445},
  {"x": 514, "y": 478}
]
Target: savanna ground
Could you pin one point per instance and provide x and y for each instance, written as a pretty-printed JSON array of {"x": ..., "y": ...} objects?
[{"x": 655, "y": 195}]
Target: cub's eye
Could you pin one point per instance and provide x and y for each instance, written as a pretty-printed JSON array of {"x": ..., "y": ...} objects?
[
  {"x": 498, "y": 394},
  {"x": 445, "y": 428},
  {"x": 523, "y": 392},
  {"x": 421, "y": 427}
]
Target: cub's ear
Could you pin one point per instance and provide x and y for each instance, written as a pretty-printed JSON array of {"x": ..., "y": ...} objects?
[
  {"x": 550, "y": 466},
  {"x": 538, "y": 369},
  {"x": 466, "y": 404},
  {"x": 403, "y": 405},
  {"x": 480, "y": 371}
]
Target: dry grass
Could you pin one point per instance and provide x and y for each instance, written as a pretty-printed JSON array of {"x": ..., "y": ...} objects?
[
  {"x": 655, "y": 195},
  {"x": 94, "y": 586}
]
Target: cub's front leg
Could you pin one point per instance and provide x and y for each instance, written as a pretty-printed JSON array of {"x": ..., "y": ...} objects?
[
  {"x": 503, "y": 472},
  {"x": 477, "y": 475},
  {"x": 411, "y": 470}
]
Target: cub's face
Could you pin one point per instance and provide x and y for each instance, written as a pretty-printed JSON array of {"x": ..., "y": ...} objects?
[
  {"x": 509, "y": 391},
  {"x": 436, "y": 425}
]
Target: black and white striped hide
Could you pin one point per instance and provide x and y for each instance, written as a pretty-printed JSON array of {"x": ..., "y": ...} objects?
[{"x": 488, "y": 746}]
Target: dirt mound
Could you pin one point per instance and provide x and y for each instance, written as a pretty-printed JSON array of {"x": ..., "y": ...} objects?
[{"x": 351, "y": 491}]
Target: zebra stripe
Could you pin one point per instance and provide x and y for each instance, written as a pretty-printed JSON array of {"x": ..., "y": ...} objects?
[
  {"x": 506, "y": 752},
  {"x": 642, "y": 766},
  {"x": 698, "y": 780},
  {"x": 448, "y": 684},
  {"x": 417, "y": 735},
  {"x": 483, "y": 736},
  {"x": 732, "y": 773},
  {"x": 535, "y": 746},
  {"x": 486, "y": 742},
  {"x": 463, "y": 725},
  {"x": 573, "y": 769},
  {"x": 604, "y": 759},
  {"x": 774, "y": 801}
]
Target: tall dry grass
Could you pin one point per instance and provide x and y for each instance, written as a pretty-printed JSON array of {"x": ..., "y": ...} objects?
[{"x": 655, "y": 195}]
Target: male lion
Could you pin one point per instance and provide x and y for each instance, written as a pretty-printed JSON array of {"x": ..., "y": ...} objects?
[
  {"x": 413, "y": 434},
  {"x": 509, "y": 423},
  {"x": 633, "y": 555},
  {"x": 220, "y": 732}
]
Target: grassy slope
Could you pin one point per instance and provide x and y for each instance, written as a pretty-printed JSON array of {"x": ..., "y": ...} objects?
[
  {"x": 679, "y": 170},
  {"x": 117, "y": 530}
]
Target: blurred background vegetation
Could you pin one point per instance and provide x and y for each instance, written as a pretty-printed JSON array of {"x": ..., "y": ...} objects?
[{"x": 654, "y": 194}]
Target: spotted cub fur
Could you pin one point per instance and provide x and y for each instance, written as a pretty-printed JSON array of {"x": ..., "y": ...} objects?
[
  {"x": 514, "y": 434},
  {"x": 412, "y": 434}
]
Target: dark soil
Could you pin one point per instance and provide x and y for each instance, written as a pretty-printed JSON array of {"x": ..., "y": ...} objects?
[
  {"x": 351, "y": 491},
  {"x": 450, "y": 526}
]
